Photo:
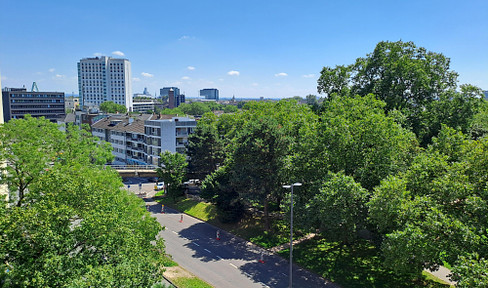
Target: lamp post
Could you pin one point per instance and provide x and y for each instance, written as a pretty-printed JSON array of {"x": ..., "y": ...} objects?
[{"x": 291, "y": 229}]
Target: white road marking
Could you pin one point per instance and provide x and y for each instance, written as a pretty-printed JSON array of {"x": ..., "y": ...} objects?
[
  {"x": 264, "y": 285},
  {"x": 283, "y": 274},
  {"x": 247, "y": 274},
  {"x": 174, "y": 232},
  {"x": 196, "y": 244},
  {"x": 220, "y": 258},
  {"x": 233, "y": 265},
  {"x": 207, "y": 250}
]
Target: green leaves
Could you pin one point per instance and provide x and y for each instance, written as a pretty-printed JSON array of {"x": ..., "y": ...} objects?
[
  {"x": 172, "y": 171},
  {"x": 112, "y": 107},
  {"x": 74, "y": 226}
]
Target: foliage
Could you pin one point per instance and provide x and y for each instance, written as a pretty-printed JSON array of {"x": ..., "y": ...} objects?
[
  {"x": 194, "y": 108},
  {"x": 219, "y": 190},
  {"x": 409, "y": 79},
  {"x": 111, "y": 107},
  {"x": 471, "y": 271},
  {"x": 435, "y": 211},
  {"x": 205, "y": 148},
  {"x": 73, "y": 225},
  {"x": 339, "y": 209},
  {"x": 172, "y": 171},
  {"x": 356, "y": 265}
]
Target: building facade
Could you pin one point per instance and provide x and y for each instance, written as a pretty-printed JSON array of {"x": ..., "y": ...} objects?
[
  {"x": 18, "y": 102},
  {"x": 102, "y": 79},
  {"x": 141, "y": 139},
  {"x": 210, "y": 93}
]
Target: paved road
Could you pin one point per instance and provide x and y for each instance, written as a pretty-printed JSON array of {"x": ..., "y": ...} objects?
[{"x": 228, "y": 262}]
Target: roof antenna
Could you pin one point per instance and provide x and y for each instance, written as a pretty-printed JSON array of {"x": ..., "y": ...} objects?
[{"x": 34, "y": 87}]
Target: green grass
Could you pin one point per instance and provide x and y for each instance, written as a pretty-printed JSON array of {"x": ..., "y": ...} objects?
[
  {"x": 358, "y": 265},
  {"x": 190, "y": 283},
  {"x": 201, "y": 210}
]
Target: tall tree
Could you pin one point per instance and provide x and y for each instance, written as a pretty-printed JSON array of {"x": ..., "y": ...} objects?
[
  {"x": 205, "y": 148},
  {"x": 72, "y": 225},
  {"x": 172, "y": 171},
  {"x": 409, "y": 79}
]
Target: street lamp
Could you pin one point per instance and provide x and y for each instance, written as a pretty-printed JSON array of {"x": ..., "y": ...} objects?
[{"x": 291, "y": 228}]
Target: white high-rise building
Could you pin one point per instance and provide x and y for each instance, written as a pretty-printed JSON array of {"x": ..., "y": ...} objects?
[{"x": 103, "y": 79}]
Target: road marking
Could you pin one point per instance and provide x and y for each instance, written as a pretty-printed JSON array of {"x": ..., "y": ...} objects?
[
  {"x": 220, "y": 258},
  {"x": 283, "y": 274},
  {"x": 174, "y": 232},
  {"x": 247, "y": 274},
  {"x": 207, "y": 250},
  {"x": 196, "y": 244},
  {"x": 233, "y": 265},
  {"x": 264, "y": 285}
]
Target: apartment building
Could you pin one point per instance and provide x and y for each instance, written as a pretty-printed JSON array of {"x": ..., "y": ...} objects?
[{"x": 141, "y": 139}]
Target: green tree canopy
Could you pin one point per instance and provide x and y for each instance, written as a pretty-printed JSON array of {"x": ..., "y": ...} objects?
[
  {"x": 68, "y": 223},
  {"x": 111, "y": 107},
  {"x": 172, "y": 171}
]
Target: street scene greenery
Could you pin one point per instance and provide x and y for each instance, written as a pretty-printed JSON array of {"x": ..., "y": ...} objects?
[{"x": 392, "y": 161}]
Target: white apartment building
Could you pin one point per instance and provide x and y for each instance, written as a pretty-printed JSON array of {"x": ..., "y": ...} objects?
[
  {"x": 103, "y": 79},
  {"x": 167, "y": 134},
  {"x": 141, "y": 139}
]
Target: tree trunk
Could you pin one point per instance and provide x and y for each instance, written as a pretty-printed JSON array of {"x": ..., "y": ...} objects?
[{"x": 266, "y": 214}]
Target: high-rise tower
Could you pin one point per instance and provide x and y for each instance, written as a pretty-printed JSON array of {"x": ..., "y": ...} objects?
[{"x": 103, "y": 79}]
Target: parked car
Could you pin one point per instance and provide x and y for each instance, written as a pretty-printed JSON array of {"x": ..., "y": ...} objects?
[{"x": 159, "y": 186}]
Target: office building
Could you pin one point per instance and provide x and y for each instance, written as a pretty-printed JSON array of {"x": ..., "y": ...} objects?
[
  {"x": 18, "y": 102},
  {"x": 210, "y": 93},
  {"x": 102, "y": 79},
  {"x": 175, "y": 98}
]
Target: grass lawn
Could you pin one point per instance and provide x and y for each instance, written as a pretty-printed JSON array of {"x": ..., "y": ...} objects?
[
  {"x": 190, "y": 283},
  {"x": 358, "y": 265}
]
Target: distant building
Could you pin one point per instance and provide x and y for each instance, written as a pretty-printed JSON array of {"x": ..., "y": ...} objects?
[
  {"x": 146, "y": 106},
  {"x": 210, "y": 93},
  {"x": 175, "y": 98},
  {"x": 486, "y": 94},
  {"x": 102, "y": 79},
  {"x": 164, "y": 92},
  {"x": 18, "y": 102},
  {"x": 71, "y": 103}
]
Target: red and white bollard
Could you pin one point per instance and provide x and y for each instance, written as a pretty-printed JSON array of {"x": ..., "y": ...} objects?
[
  {"x": 218, "y": 235},
  {"x": 261, "y": 260},
  {"x": 181, "y": 218},
  {"x": 162, "y": 209}
]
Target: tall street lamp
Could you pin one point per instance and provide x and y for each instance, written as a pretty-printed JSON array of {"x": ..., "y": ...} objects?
[{"x": 291, "y": 228}]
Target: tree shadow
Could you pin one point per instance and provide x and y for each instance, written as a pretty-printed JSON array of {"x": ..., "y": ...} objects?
[
  {"x": 229, "y": 247},
  {"x": 274, "y": 272}
]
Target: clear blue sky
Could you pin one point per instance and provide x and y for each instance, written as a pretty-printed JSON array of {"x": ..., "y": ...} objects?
[{"x": 273, "y": 49}]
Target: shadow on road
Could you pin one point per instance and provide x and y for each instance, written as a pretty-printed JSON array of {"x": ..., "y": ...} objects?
[{"x": 228, "y": 247}]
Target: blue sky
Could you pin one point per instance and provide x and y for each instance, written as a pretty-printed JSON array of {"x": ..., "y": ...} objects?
[{"x": 250, "y": 49}]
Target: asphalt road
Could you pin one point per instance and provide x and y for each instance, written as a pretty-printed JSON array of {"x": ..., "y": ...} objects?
[{"x": 228, "y": 262}]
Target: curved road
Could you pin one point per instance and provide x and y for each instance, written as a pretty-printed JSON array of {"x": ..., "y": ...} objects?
[{"x": 228, "y": 262}]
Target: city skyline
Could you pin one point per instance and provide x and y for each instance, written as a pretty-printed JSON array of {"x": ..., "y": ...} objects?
[{"x": 253, "y": 49}]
